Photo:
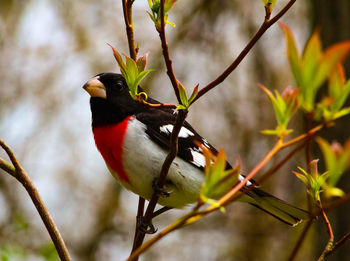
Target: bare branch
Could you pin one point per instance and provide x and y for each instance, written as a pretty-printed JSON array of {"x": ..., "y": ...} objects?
[
  {"x": 166, "y": 55},
  {"x": 127, "y": 10},
  {"x": 263, "y": 28},
  {"x": 19, "y": 173}
]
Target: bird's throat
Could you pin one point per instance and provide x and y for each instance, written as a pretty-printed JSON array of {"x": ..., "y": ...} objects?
[{"x": 109, "y": 141}]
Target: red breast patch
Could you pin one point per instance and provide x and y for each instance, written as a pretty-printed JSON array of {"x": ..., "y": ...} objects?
[{"x": 109, "y": 141}]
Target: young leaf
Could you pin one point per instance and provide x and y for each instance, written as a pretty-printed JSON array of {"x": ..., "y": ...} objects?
[
  {"x": 141, "y": 62},
  {"x": 133, "y": 72},
  {"x": 183, "y": 95},
  {"x": 218, "y": 180},
  {"x": 194, "y": 94},
  {"x": 337, "y": 159},
  {"x": 284, "y": 107},
  {"x": 330, "y": 58},
  {"x": 293, "y": 55}
]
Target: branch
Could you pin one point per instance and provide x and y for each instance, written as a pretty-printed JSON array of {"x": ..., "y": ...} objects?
[
  {"x": 166, "y": 55},
  {"x": 338, "y": 244},
  {"x": 127, "y": 11},
  {"x": 330, "y": 242},
  {"x": 195, "y": 215},
  {"x": 147, "y": 219},
  {"x": 18, "y": 172},
  {"x": 180, "y": 119},
  {"x": 263, "y": 28},
  {"x": 174, "y": 226}
]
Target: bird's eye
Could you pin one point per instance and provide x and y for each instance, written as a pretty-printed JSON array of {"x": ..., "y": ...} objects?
[{"x": 119, "y": 85}]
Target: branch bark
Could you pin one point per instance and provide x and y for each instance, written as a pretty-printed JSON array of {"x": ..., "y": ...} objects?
[
  {"x": 166, "y": 55},
  {"x": 19, "y": 173},
  {"x": 127, "y": 10}
]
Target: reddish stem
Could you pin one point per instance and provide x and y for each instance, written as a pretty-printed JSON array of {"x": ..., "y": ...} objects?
[
  {"x": 264, "y": 26},
  {"x": 166, "y": 55}
]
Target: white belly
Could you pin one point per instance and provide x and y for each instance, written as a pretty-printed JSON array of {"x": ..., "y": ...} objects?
[{"x": 142, "y": 161}]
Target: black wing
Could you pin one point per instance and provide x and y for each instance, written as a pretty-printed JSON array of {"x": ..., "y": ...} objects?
[{"x": 159, "y": 125}]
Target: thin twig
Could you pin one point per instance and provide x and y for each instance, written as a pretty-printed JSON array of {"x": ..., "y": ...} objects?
[
  {"x": 24, "y": 179},
  {"x": 307, "y": 135},
  {"x": 140, "y": 210},
  {"x": 173, "y": 148},
  {"x": 174, "y": 226},
  {"x": 330, "y": 242},
  {"x": 275, "y": 168},
  {"x": 166, "y": 55},
  {"x": 339, "y": 243},
  {"x": 147, "y": 219},
  {"x": 264, "y": 26},
  {"x": 10, "y": 169},
  {"x": 196, "y": 215},
  {"x": 127, "y": 11},
  {"x": 267, "y": 23},
  {"x": 159, "y": 105}
]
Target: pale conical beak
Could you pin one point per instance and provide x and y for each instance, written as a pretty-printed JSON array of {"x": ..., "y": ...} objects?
[{"x": 95, "y": 88}]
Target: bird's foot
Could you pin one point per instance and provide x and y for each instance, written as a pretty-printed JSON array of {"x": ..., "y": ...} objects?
[
  {"x": 145, "y": 227},
  {"x": 161, "y": 192}
]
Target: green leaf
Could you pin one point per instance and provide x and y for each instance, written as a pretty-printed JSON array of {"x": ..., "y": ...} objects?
[
  {"x": 133, "y": 72},
  {"x": 119, "y": 60},
  {"x": 293, "y": 55},
  {"x": 194, "y": 94},
  {"x": 183, "y": 95},
  {"x": 218, "y": 180},
  {"x": 141, "y": 62},
  {"x": 284, "y": 107},
  {"x": 313, "y": 180},
  {"x": 301, "y": 177},
  {"x": 333, "y": 192},
  {"x": 269, "y": 2},
  {"x": 331, "y": 57},
  {"x": 311, "y": 56},
  {"x": 337, "y": 159},
  {"x": 141, "y": 75},
  {"x": 269, "y": 132}
]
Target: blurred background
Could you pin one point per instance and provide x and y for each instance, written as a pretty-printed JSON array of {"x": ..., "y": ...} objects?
[{"x": 49, "y": 49}]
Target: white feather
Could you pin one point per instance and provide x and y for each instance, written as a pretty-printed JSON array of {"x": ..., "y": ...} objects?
[
  {"x": 184, "y": 133},
  {"x": 198, "y": 158}
]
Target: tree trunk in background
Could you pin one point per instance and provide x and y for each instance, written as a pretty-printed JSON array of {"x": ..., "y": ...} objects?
[{"x": 332, "y": 17}]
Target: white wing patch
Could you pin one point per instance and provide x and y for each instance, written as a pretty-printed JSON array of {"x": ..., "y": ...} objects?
[
  {"x": 184, "y": 133},
  {"x": 241, "y": 178},
  {"x": 198, "y": 159}
]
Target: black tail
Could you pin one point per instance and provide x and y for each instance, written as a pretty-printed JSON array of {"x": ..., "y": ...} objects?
[{"x": 276, "y": 207}]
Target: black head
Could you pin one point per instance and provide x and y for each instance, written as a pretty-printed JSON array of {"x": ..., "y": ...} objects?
[{"x": 110, "y": 99}]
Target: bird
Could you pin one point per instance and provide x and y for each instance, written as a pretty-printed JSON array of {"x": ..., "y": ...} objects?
[{"x": 134, "y": 139}]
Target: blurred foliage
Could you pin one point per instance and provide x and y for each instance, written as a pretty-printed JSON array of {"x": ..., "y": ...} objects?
[{"x": 48, "y": 49}]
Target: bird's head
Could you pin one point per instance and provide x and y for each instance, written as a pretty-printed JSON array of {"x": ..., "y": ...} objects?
[
  {"x": 109, "y": 86},
  {"x": 110, "y": 98}
]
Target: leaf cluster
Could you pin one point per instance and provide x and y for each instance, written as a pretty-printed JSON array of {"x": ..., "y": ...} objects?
[
  {"x": 133, "y": 72},
  {"x": 218, "y": 179},
  {"x": 312, "y": 68},
  {"x": 155, "y": 14},
  {"x": 284, "y": 106},
  {"x": 185, "y": 101}
]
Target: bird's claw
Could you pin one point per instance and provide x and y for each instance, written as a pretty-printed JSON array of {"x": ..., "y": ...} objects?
[
  {"x": 145, "y": 227},
  {"x": 162, "y": 192}
]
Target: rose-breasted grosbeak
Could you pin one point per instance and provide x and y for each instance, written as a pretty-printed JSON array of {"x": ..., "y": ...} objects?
[{"x": 134, "y": 138}]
